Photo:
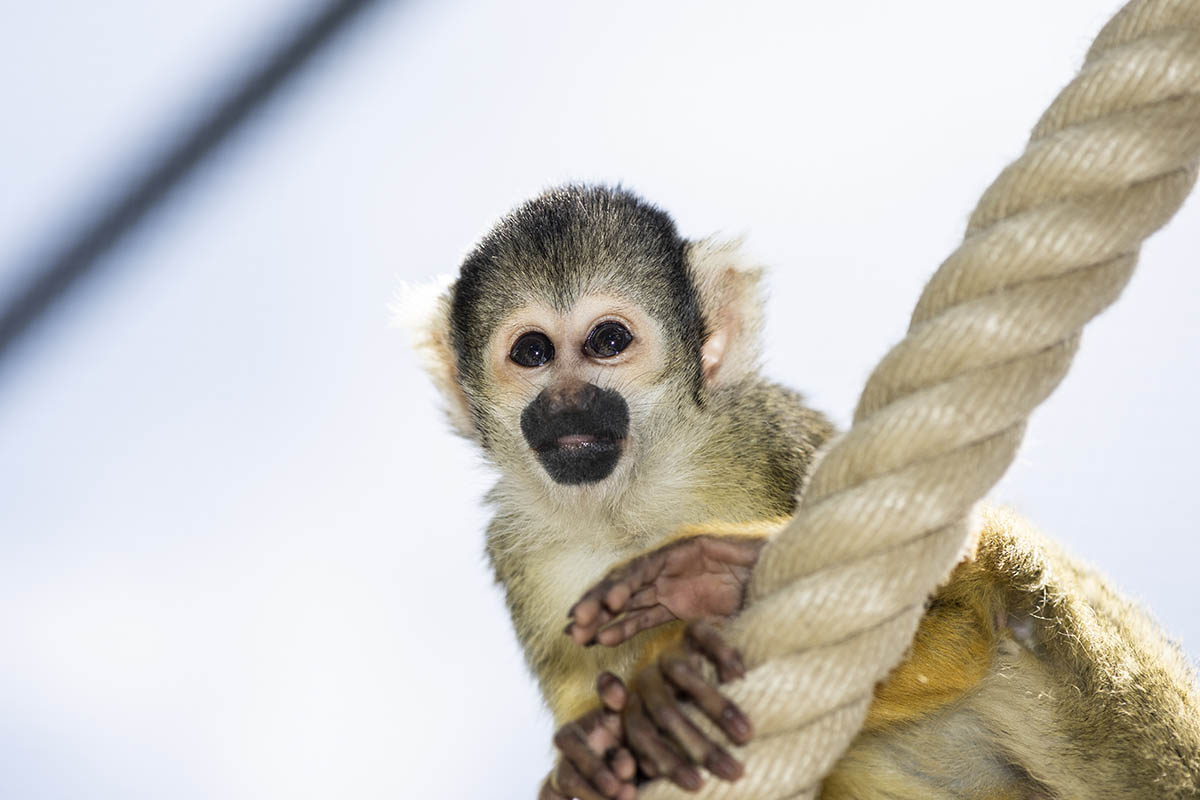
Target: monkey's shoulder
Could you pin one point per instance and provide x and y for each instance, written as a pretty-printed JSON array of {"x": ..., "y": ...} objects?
[
  {"x": 767, "y": 409},
  {"x": 766, "y": 438}
]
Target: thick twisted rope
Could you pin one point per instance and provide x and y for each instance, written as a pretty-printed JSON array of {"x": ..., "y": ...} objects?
[{"x": 837, "y": 596}]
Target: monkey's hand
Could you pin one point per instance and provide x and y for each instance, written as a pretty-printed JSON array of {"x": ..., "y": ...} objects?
[
  {"x": 663, "y": 740},
  {"x": 700, "y": 577},
  {"x": 641, "y": 732},
  {"x": 594, "y": 763}
]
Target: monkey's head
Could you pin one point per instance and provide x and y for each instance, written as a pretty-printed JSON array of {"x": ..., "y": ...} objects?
[{"x": 582, "y": 331}]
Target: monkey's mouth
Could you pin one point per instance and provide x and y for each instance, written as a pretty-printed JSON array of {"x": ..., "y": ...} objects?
[
  {"x": 578, "y": 445},
  {"x": 576, "y": 440},
  {"x": 576, "y": 458}
]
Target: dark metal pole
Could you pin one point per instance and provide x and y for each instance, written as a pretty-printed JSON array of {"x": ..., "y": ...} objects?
[{"x": 53, "y": 276}]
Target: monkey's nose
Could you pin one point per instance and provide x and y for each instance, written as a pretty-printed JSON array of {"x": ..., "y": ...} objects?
[{"x": 573, "y": 396}]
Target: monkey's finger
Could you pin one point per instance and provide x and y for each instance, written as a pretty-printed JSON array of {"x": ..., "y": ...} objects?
[
  {"x": 614, "y": 591},
  {"x": 660, "y": 702},
  {"x": 725, "y": 714},
  {"x": 572, "y": 742},
  {"x": 624, "y": 628},
  {"x": 738, "y": 551},
  {"x": 602, "y": 731},
  {"x": 656, "y": 756},
  {"x": 585, "y": 635},
  {"x": 568, "y": 779},
  {"x": 590, "y": 605},
  {"x": 589, "y": 615},
  {"x": 639, "y": 731},
  {"x": 548, "y": 792},
  {"x": 643, "y": 598},
  {"x": 705, "y": 639},
  {"x": 612, "y": 691},
  {"x": 623, "y": 764}
]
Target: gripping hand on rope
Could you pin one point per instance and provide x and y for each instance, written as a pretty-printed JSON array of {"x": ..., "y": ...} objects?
[{"x": 694, "y": 579}]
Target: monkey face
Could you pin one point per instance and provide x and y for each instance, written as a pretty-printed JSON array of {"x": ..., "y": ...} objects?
[{"x": 570, "y": 373}]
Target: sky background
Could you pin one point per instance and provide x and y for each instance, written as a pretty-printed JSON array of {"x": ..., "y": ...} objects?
[{"x": 240, "y": 553}]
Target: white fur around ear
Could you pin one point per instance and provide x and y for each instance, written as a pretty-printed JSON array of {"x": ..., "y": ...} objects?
[
  {"x": 424, "y": 311},
  {"x": 731, "y": 297}
]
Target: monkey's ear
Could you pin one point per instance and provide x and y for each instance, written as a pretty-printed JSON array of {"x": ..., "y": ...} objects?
[
  {"x": 424, "y": 310},
  {"x": 732, "y": 301}
]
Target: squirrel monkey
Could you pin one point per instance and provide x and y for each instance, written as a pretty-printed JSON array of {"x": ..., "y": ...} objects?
[{"x": 608, "y": 369}]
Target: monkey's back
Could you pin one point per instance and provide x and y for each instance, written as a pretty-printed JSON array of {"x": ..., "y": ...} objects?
[{"x": 1029, "y": 678}]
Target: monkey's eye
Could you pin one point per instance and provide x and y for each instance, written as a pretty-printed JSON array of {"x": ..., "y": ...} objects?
[
  {"x": 532, "y": 350},
  {"x": 607, "y": 339}
]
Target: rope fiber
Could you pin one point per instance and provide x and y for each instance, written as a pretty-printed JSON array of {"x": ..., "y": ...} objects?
[{"x": 838, "y": 594}]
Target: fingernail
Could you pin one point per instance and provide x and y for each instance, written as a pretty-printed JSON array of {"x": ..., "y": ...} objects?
[
  {"x": 724, "y": 766},
  {"x": 737, "y": 724},
  {"x": 607, "y": 784},
  {"x": 689, "y": 779}
]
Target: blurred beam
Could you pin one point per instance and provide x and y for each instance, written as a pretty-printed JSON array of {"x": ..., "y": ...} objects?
[{"x": 52, "y": 277}]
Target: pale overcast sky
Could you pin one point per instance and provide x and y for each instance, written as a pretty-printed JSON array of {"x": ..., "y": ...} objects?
[{"x": 240, "y": 553}]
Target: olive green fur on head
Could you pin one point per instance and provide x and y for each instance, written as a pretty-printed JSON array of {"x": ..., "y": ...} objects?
[
  {"x": 705, "y": 415},
  {"x": 564, "y": 244}
]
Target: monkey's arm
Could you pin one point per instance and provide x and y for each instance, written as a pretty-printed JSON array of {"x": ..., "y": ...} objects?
[{"x": 700, "y": 573}]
